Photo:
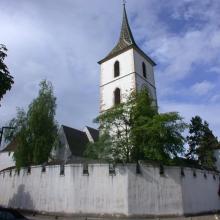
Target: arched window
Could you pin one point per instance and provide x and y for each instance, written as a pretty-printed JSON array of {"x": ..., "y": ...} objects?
[
  {"x": 144, "y": 70},
  {"x": 116, "y": 69},
  {"x": 117, "y": 96}
]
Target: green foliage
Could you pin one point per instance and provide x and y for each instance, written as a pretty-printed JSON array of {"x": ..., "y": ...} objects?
[
  {"x": 23, "y": 154},
  {"x": 163, "y": 137},
  {"x": 6, "y": 80},
  {"x": 41, "y": 123},
  {"x": 196, "y": 130},
  {"x": 115, "y": 125},
  {"x": 17, "y": 124},
  {"x": 100, "y": 150},
  {"x": 36, "y": 130},
  {"x": 155, "y": 136},
  {"x": 19, "y": 133},
  {"x": 138, "y": 132},
  {"x": 141, "y": 113},
  {"x": 202, "y": 143}
]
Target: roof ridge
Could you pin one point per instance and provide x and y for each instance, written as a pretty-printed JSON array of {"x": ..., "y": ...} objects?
[
  {"x": 71, "y": 128},
  {"x": 92, "y": 128}
]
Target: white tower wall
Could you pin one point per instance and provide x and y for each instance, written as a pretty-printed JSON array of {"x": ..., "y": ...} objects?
[
  {"x": 108, "y": 83},
  {"x": 131, "y": 78},
  {"x": 141, "y": 81}
]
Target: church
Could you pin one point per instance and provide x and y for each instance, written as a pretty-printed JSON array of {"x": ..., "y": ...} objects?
[{"x": 69, "y": 186}]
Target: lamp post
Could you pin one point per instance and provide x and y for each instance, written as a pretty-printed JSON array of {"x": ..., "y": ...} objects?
[{"x": 1, "y": 132}]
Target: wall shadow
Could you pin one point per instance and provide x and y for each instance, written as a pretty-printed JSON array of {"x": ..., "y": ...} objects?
[{"x": 21, "y": 200}]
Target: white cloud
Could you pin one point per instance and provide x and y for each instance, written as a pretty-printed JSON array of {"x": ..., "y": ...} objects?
[
  {"x": 180, "y": 53},
  {"x": 215, "y": 98},
  {"x": 62, "y": 42},
  {"x": 187, "y": 110},
  {"x": 202, "y": 88},
  {"x": 215, "y": 69}
]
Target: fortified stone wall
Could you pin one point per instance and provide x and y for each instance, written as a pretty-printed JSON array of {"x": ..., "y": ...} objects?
[{"x": 99, "y": 192}]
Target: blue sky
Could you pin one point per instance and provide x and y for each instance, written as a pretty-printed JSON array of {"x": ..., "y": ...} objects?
[{"x": 62, "y": 41}]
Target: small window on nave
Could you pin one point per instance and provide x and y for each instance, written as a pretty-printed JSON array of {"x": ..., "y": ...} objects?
[
  {"x": 144, "y": 70},
  {"x": 117, "y": 96},
  {"x": 116, "y": 69}
]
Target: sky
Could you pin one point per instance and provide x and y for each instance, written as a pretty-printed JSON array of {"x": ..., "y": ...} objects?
[{"x": 62, "y": 41}]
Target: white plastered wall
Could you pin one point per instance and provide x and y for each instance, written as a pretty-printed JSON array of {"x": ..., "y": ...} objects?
[
  {"x": 6, "y": 160},
  {"x": 153, "y": 194},
  {"x": 131, "y": 77},
  {"x": 125, "y": 82},
  {"x": 149, "y": 82},
  {"x": 200, "y": 193},
  {"x": 99, "y": 193},
  {"x": 61, "y": 151},
  {"x": 73, "y": 193}
]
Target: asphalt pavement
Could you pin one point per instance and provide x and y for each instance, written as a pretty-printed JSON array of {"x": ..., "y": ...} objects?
[{"x": 44, "y": 217}]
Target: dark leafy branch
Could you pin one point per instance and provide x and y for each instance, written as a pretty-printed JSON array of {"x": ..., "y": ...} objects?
[{"x": 6, "y": 80}]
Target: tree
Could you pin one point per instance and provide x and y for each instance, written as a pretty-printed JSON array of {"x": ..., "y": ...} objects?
[
  {"x": 137, "y": 131},
  {"x": 202, "y": 143},
  {"x": 163, "y": 137},
  {"x": 155, "y": 136},
  {"x": 100, "y": 150},
  {"x": 142, "y": 113},
  {"x": 115, "y": 131},
  {"x": 19, "y": 123},
  {"x": 194, "y": 138},
  {"x": 6, "y": 80},
  {"x": 36, "y": 130}
]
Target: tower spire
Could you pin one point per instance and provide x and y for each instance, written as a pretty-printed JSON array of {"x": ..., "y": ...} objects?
[
  {"x": 126, "y": 34},
  {"x": 126, "y": 40},
  {"x": 126, "y": 37}
]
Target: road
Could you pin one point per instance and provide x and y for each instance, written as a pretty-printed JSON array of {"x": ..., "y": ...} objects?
[{"x": 43, "y": 217}]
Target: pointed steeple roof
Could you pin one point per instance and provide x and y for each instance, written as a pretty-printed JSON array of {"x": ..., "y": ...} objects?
[
  {"x": 125, "y": 41},
  {"x": 126, "y": 38}
]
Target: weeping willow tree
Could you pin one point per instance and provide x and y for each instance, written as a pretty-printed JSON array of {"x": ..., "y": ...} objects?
[{"x": 35, "y": 130}]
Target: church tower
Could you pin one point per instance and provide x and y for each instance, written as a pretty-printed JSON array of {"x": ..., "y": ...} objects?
[{"x": 124, "y": 69}]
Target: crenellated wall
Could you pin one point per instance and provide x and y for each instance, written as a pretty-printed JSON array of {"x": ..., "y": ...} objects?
[{"x": 99, "y": 193}]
